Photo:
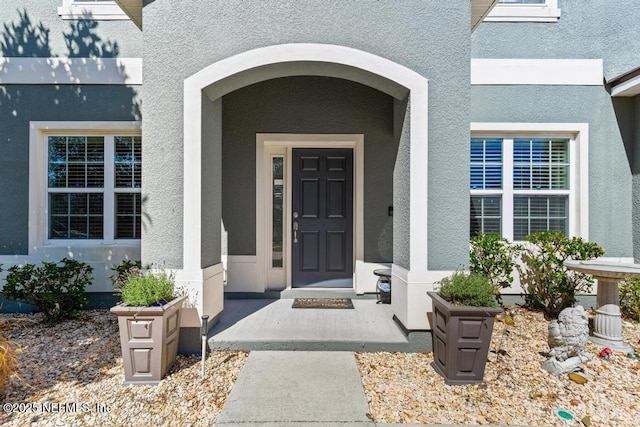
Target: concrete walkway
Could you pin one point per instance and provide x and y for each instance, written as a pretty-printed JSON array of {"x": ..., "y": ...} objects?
[{"x": 297, "y": 389}]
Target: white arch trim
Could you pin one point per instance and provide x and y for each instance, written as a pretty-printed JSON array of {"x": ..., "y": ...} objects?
[{"x": 296, "y": 59}]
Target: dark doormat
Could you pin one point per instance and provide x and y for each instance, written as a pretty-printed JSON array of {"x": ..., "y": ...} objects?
[{"x": 322, "y": 303}]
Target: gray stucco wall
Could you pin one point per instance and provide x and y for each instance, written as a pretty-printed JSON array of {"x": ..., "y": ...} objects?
[
  {"x": 306, "y": 105},
  {"x": 401, "y": 191},
  {"x": 431, "y": 38},
  {"x": 211, "y": 181},
  {"x": 586, "y": 29},
  {"x": 33, "y": 28},
  {"x": 610, "y": 222},
  {"x": 65, "y": 38},
  {"x": 20, "y": 104},
  {"x": 636, "y": 177}
]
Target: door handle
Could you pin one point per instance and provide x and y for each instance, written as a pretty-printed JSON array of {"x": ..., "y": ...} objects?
[{"x": 295, "y": 231}]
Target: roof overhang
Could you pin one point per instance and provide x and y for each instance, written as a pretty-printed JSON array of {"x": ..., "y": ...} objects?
[
  {"x": 133, "y": 9},
  {"x": 479, "y": 9},
  {"x": 627, "y": 84}
]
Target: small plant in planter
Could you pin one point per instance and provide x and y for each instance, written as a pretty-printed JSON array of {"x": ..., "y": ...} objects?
[
  {"x": 151, "y": 289},
  {"x": 149, "y": 323},
  {"x": 467, "y": 289},
  {"x": 124, "y": 270},
  {"x": 464, "y": 309}
]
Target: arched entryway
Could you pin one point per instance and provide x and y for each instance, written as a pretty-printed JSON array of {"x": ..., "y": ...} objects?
[{"x": 202, "y": 162}]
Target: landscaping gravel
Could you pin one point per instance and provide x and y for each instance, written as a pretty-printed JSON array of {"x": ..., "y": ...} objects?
[
  {"x": 404, "y": 388},
  {"x": 71, "y": 374}
]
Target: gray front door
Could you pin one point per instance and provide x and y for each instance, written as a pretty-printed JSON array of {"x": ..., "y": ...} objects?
[{"x": 322, "y": 217}]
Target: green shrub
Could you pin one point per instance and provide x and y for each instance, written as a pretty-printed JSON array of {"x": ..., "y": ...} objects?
[
  {"x": 630, "y": 298},
  {"x": 493, "y": 257},
  {"x": 125, "y": 269},
  {"x": 468, "y": 289},
  {"x": 548, "y": 284},
  {"x": 57, "y": 289},
  {"x": 153, "y": 288}
]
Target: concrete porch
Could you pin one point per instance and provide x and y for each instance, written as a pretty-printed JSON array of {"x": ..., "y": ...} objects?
[{"x": 270, "y": 323}]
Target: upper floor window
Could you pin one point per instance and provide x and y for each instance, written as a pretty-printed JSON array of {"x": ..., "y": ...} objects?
[
  {"x": 94, "y": 187},
  {"x": 524, "y": 11},
  {"x": 106, "y": 10},
  {"x": 521, "y": 184}
]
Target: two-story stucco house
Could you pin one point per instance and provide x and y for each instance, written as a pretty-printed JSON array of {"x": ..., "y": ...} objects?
[{"x": 263, "y": 145}]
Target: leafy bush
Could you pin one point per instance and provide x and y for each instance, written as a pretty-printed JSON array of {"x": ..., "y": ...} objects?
[
  {"x": 468, "y": 289},
  {"x": 630, "y": 298},
  {"x": 125, "y": 269},
  {"x": 153, "y": 288},
  {"x": 549, "y": 285},
  {"x": 8, "y": 354},
  {"x": 57, "y": 290},
  {"x": 493, "y": 257}
]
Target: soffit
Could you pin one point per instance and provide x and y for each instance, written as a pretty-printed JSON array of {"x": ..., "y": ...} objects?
[
  {"x": 133, "y": 9},
  {"x": 627, "y": 84},
  {"x": 479, "y": 9}
]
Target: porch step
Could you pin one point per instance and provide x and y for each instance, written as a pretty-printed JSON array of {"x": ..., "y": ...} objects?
[
  {"x": 272, "y": 324},
  {"x": 299, "y": 293}
]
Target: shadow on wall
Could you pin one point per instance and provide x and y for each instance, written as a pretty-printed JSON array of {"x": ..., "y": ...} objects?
[
  {"x": 624, "y": 108},
  {"x": 22, "y": 37}
]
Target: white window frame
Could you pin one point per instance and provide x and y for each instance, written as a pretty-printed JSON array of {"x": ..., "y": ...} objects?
[
  {"x": 100, "y": 11},
  {"x": 578, "y": 192},
  {"x": 547, "y": 12},
  {"x": 38, "y": 183}
]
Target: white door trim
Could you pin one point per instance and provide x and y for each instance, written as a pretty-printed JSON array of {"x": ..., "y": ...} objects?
[{"x": 269, "y": 144}]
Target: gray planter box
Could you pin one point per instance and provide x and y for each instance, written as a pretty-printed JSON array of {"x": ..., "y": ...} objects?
[
  {"x": 149, "y": 340},
  {"x": 461, "y": 339}
]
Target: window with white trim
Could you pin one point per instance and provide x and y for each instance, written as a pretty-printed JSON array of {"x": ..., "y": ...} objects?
[
  {"x": 524, "y": 11},
  {"x": 520, "y": 185},
  {"x": 93, "y": 186},
  {"x": 103, "y": 10}
]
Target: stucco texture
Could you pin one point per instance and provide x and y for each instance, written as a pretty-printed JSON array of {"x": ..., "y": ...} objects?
[
  {"x": 307, "y": 105},
  {"x": 635, "y": 154},
  {"x": 586, "y": 29},
  {"x": 431, "y": 38},
  {"x": 33, "y": 28},
  {"x": 610, "y": 222},
  {"x": 20, "y": 104}
]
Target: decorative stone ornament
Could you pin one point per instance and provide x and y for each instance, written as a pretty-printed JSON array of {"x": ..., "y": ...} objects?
[{"x": 567, "y": 339}]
